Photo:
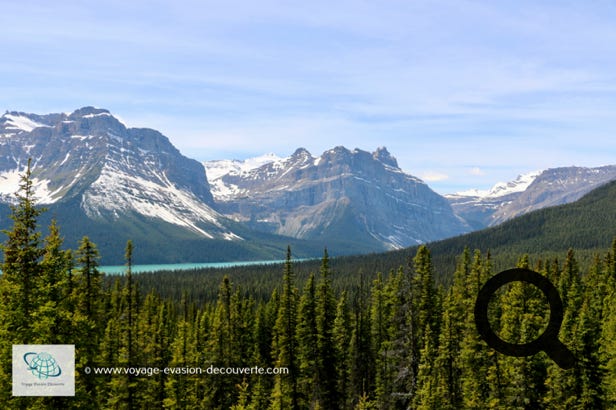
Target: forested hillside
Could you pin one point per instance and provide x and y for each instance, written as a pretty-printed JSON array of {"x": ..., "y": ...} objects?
[
  {"x": 587, "y": 226},
  {"x": 394, "y": 339}
]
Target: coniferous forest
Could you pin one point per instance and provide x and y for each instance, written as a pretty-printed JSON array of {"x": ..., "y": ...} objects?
[{"x": 391, "y": 340}]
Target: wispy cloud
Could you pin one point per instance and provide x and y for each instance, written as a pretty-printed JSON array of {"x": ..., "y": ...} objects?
[{"x": 430, "y": 176}]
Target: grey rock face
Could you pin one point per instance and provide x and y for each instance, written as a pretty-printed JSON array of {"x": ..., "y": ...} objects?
[
  {"x": 356, "y": 195},
  {"x": 112, "y": 169},
  {"x": 551, "y": 187}
]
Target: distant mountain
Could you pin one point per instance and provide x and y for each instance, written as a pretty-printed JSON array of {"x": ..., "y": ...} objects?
[
  {"x": 355, "y": 196},
  {"x": 588, "y": 223},
  {"x": 529, "y": 192},
  {"x": 100, "y": 178},
  {"x": 113, "y": 183}
]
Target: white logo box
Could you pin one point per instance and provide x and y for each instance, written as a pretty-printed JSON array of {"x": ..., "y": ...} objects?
[{"x": 43, "y": 370}]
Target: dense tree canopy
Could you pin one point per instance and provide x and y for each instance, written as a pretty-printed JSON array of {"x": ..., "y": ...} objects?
[{"x": 362, "y": 339}]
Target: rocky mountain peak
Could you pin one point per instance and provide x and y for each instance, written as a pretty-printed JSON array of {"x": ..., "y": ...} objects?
[
  {"x": 337, "y": 154},
  {"x": 88, "y": 112},
  {"x": 382, "y": 154},
  {"x": 300, "y": 156},
  {"x": 338, "y": 194}
]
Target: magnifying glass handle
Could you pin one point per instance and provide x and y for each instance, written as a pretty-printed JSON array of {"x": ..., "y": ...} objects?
[{"x": 561, "y": 355}]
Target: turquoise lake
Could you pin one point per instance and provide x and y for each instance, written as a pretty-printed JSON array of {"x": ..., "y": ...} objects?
[{"x": 119, "y": 269}]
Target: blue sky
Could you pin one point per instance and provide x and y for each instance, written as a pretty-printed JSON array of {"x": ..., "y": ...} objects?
[{"x": 463, "y": 93}]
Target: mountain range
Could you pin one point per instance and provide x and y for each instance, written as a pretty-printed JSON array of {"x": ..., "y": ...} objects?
[
  {"x": 356, "y": 195},
  {"x": 99, "y": 178},
  {"x": 529, "y": 192}
]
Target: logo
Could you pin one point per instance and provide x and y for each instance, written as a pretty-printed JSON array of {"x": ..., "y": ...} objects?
[
  {"x": 43, "y": 370},
  {"x": 43, "y": 365}
]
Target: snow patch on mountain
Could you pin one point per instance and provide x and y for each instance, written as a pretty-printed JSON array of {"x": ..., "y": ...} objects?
[
  {"x": 21, "y": 123},
  {"x": 117, "y": 192},
  {"x": 9, "y": 185},
  {"x": 217, "y": 169},
  {"x": 518, "y": 185},
  {"x": 500, "y": 189}
]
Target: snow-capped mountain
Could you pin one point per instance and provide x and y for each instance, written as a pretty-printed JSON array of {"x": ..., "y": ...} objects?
[
  {"x": 529, "y": 192},
  {"x": 352, "y": 195},
  {"x": 218, "y": 169},
  {"x": 112, "y": 172}
]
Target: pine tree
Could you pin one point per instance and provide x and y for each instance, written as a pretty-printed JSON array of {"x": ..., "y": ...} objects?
[
  {"x": 325, "y": 310},
  {"x": 180, "y": 390},
  {"x": 121, "y": 389},
  {"x": 263, "y": 338},
  {"x": 308, "y": 348},
  {"x": 88, "y": 319},
  {"x": 564, "y": 387},
  {"x": 21, "y": 273},
  {"x": 53, "y": 314},
  {"x": 480, "y": 375},
  {"x": 380, "y": 316},
  {"x": 225, "y": 345},
  {"x": 361, "y": 353},
  {"x": 427, "y": 310},
  {"x": 426, "y": 396},
  {"x": 456, "y": 308},
  {"x": 342, "y": 342},
  {"x": 285, "y": 394}
]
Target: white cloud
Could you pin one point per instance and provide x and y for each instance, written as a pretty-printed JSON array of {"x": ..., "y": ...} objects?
[
  {"x": 432, "y": 176},
  {"x": 476, "y": 171}
]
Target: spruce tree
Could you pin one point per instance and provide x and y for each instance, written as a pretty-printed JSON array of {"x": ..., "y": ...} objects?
[
  {"x": 325, "y": 310},
  {"x": 21, "y": 275},
  {"x": 342, "y": 343},
  {"x": 309, "y": 381},
  {"x": 361, "y": 351},
  {"x": 285, "y": 394}
]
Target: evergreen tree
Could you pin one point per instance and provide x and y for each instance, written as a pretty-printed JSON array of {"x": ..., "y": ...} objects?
[
  {"x": 227, "y": 346},
  {"x": 121, "y": 389},
  {"x": 456, "y": 308},
  {"x": 380, "y": 316},
  {"x": 21, "y": 273},
  {"x": 88, "y": 316},
  {"x": 564, "y": 387},
  {"x": 285, "y": 393},
  {"x": 264, "y": 328},
  {"x": 325, "y": 310},
  {"x": 342, "y": 343},
  {"x": 480, "y": 373},
  {"x": 309, "y": 380},
  {"x": 361, "y": 354}
]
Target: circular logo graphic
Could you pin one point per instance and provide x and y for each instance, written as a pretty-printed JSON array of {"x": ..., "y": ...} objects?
[{"x": 42, "y": 365}]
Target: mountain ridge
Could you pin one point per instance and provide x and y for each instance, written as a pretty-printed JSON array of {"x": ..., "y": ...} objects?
[
  {"x": 340, "y": 191},
  {"x": 550, "y": 187},
  {"x": 92, "y": 171}
]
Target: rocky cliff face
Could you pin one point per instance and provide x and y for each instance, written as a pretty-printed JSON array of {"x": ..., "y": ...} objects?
[
  {"x": 111, "y": 170},
  {"x": 356, "y": 195},
  {"x": 529, "y": 192},
  {"x": 553, "y": 187}
]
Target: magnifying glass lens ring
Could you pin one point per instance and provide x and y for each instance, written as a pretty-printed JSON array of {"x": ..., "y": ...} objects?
[{"x": 550, "y": 335}]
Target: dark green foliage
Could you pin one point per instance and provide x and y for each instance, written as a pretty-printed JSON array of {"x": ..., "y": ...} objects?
[{"x": 352, "y": 339}]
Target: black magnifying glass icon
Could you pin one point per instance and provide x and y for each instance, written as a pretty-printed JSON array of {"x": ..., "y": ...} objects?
[{"x": 548, "y": 341}]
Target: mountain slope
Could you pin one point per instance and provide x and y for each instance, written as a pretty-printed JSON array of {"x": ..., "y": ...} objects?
[
  {"x": 340, "y": 195},
  {"x": 588, "y": 223},
  {"x": 529, "y": 192},
  {"x": 113, "y": 169},
  {"x": 113, "y": 183}
]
